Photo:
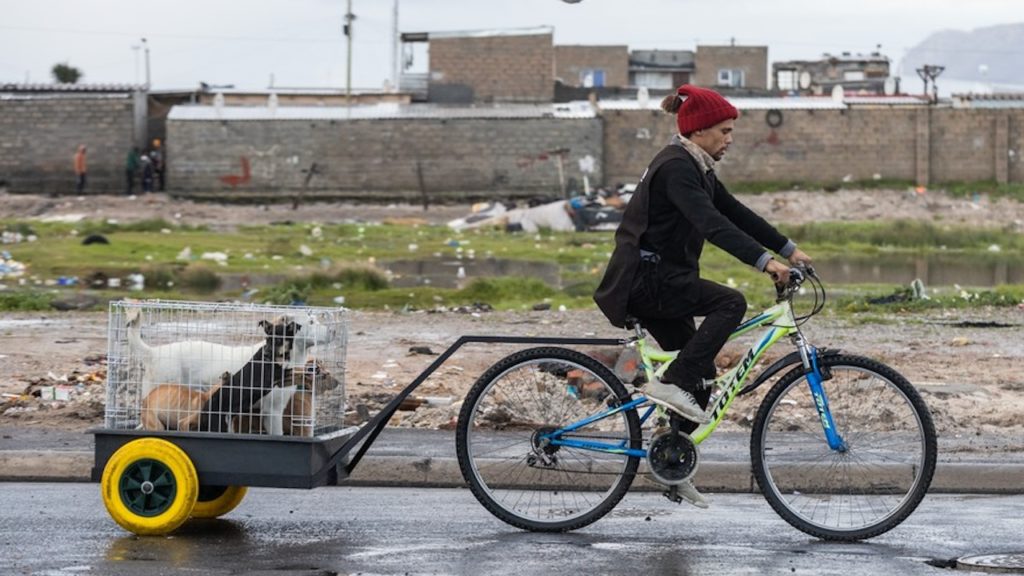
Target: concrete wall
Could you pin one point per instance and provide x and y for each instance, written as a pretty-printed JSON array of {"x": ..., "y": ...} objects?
[
  {"x": 914, "y": 144},
  {"x": 753, "y": 60},
  {"x": 570, "y": 61},
  {"x": 492, "y": 69},
  {"x": 381, "y": 158},
  {"x": 39, "y": 136}
]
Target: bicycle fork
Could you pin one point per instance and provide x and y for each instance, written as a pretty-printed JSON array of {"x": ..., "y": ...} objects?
[{"x": 815, "y": 379}]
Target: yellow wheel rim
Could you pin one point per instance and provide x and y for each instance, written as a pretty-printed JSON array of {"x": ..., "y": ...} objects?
[
  {"x": 215, "y": 501},
  {"x": 149, "y": 486}
]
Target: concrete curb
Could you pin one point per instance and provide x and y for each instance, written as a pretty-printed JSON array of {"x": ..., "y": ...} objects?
[{"x": 417, "y": 472}]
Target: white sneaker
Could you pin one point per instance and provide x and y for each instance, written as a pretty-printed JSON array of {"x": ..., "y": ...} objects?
[
  {"x": 689, "y": 493},
  {"x": 677, "y": 399}
]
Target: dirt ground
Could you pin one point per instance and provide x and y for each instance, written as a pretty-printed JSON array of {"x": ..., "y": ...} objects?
[
  {"x": 968, "y": 365},
  {"x": 794, "y": 207}
]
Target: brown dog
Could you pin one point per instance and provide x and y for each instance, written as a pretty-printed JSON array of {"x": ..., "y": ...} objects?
[
  {"x": 175, "y": 406},
  {"x": 291, "y": 405}
]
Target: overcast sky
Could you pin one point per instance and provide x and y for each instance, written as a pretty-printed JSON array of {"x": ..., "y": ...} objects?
[{"x": 300, "y": 42}]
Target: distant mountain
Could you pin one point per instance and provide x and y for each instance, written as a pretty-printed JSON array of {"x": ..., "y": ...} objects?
[{"x": 992, "y": 54}]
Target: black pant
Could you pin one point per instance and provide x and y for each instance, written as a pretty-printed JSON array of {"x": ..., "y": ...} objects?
[
  {"x": 668, "y": 316},
  {"x": 667, "y": 312},
  {"x": 129, "y": 176},
  {"x": 80, "y": 183}
]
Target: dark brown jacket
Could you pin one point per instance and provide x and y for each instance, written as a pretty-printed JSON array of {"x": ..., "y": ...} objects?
[{"x": 674, "y": 209}]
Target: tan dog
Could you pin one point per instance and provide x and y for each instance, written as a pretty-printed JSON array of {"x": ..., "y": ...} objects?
[{"x": 176, "y": 407}]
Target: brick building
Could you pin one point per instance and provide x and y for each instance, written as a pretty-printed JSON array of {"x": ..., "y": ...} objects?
[
  {"x": 508, "y": 65},
  {"x": 855, "y": 72},
  {"x": 660, "y": 69},
  {"x": 731, "y": 67},
  {"x": 592, "y": 66},
  {"x": 41, "y": 125}
]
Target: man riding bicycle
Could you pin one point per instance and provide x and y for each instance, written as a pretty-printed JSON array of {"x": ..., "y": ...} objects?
[{"x": 654, "y": 271}]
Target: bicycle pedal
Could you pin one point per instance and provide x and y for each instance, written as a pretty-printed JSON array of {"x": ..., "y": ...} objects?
[{"x": 673, "y": 495}]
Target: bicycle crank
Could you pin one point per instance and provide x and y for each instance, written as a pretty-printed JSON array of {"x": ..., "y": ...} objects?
[{"x": 672, "y": 457}]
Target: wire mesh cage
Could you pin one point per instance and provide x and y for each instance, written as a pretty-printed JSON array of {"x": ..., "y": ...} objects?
[{"x": 226, "y": 368}]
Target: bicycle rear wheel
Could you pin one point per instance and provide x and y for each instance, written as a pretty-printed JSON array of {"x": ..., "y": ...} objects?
[
  {"x": 508, "y": 466},
  {"x": 876, "y": 482}
]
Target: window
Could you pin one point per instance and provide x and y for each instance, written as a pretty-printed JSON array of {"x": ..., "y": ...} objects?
[
  {"x": 654, "y": 80},
  {"x": 853, "y": 75},
  {"x": 730, "y": 77},
  {"x": 592, "y": 78},
  {"x": 786, "y": 80}
]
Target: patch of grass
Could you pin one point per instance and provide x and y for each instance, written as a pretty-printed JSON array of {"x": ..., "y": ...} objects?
[
  {"x": 902, "y": 234},
  {"x": 764, "y": 187},
  {"x": 25, "y": 301},
  {"x": 153, "y": 225},
  {"x": 1014, "y": 190},
  {"x": 505, "y": 290},
  {"x": 898, "y": 301}
]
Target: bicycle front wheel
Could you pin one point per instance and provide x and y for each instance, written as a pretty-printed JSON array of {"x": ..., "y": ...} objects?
[
  {"x": 868, "y": 487},
  {"x": 526, "y": 480}
]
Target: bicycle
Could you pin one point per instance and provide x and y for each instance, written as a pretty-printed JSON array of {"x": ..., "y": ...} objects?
[{"x": 842, "y": 447}]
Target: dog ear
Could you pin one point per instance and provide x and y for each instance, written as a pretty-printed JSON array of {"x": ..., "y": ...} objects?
[{"x": 267, "y": 326}]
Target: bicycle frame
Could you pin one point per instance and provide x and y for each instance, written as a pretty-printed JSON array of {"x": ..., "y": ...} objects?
[{"x": 780, "y": 322}]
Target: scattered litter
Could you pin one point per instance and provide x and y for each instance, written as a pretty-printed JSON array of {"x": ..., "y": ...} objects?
[
  {"x": 9, "y": 267},
  {"x": 305, "y": 250},
  {"x": 218, "y": 257},
  {"x": 422, "y": 350},
  {"x": 916, "y": 291},
  {"x": 185, "y": 254},
  {"x": 960, "y": 341}
]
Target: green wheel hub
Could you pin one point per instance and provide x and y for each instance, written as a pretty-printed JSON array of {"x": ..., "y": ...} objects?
[{"x": 148, "y": 487}]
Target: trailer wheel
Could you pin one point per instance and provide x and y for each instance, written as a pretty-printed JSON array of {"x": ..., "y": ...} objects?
[
  {"x": 215, "y": 501},
  {"x": 149, "y": 486}
]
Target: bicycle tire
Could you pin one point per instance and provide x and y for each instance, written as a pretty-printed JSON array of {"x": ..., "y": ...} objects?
[
  {"x": 496, "y": 436},
  {"x": 871, "y": 487}
]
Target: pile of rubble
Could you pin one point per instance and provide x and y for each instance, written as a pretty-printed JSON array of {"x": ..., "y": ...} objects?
[{"x": 80, "y": 394}]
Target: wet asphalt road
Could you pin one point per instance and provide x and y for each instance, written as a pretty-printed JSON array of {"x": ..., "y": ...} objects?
[{"x": 63, "y": 529}]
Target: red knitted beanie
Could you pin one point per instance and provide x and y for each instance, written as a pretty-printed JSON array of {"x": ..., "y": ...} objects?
[{"x": 702, "y": 109}]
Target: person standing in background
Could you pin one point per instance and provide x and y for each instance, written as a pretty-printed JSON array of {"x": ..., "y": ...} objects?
[
  {"x": 156, "y": 155},
  {"x": 147, "y": 175},
  {"x": 80, "y": 169},
  {"x": 131, "y": 166}
]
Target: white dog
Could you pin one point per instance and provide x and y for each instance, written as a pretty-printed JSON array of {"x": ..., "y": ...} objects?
[{"x": 199, "y": 362}]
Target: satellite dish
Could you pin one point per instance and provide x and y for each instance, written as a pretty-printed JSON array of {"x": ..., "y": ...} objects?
[
  {"x": 805, "y": 80},
  {"x": 890, "y": 86},
  {"x": 837, "y": 93},
  {"x": 643, "y": 97}
]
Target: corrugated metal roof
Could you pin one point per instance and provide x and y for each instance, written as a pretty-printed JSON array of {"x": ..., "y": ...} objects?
[
  {"x": 65, "y": 96},
  {"x": 801, "y": 103},
  {"x": 535, "y": 31},
  {"x": 886, "y": 100},
  {"x": 383, "y": 111},
  {"x": 36, "y": 88},
  {"x": 992, "y": 104}
]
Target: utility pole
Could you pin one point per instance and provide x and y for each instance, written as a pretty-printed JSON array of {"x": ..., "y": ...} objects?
[
  {"x": 396, "y": 71},
  {"x": 145, "y": 45},
  {"x": 349, "y": 17},
  {"x": 135, "y": 50},
  {"x": 929, "y": 72}
]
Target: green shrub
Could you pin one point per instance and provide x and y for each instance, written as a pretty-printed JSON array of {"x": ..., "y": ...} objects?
[
  {"x": 199, "y": 279},
  {"x": 25, "y": 301}
]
